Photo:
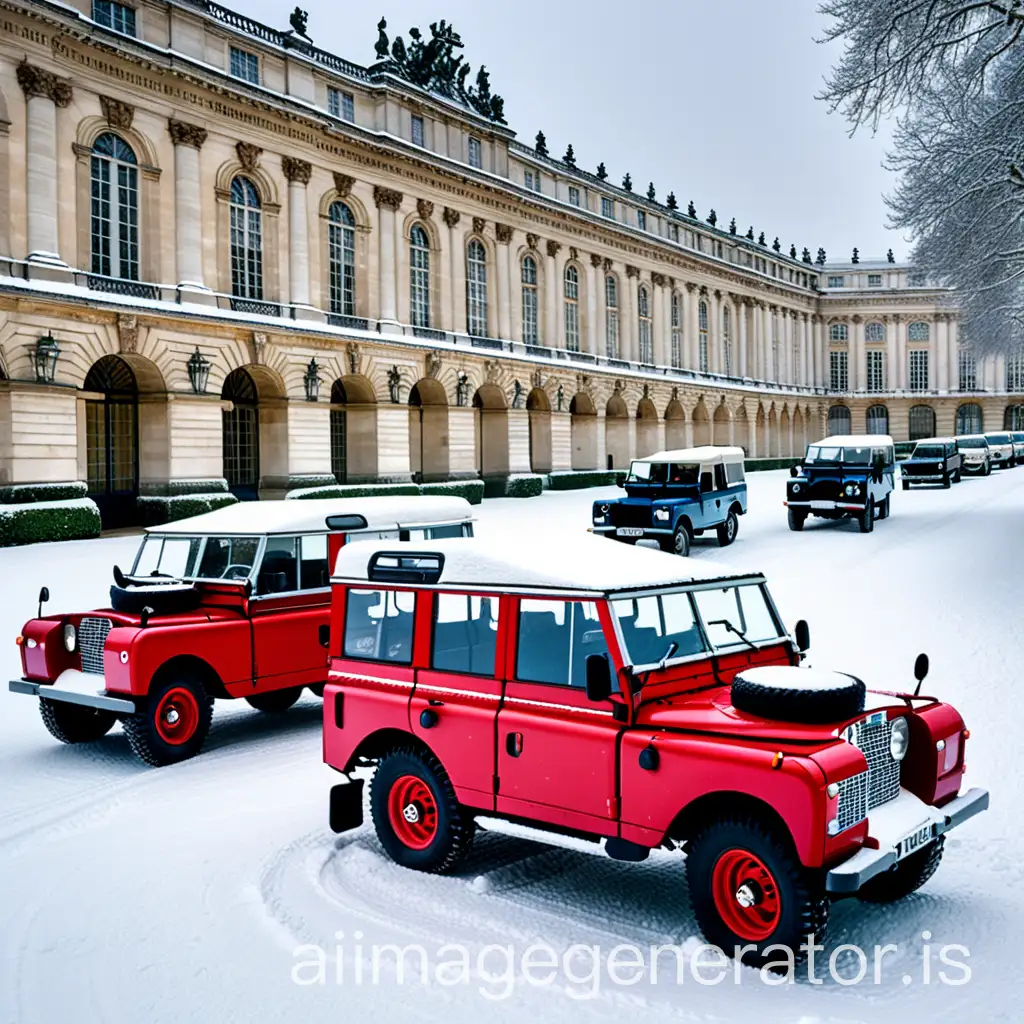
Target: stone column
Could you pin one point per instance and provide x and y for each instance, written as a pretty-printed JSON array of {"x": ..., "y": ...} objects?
[
  {"x": 188, "y": 139},
  {"x": 663, "y": 326},
  {"x": 595, "y": 302},
  {"x": 741, "y": 333},
  {"x": 552, "y": 290},
  {"x": 892, "y": 360},
  {"x": 298, "y": 173},
  {"x": 901, "y": 354},
  {"x": 44, "y": 93},
  {"x": 691, "y": 346},
  {"x": 388, "y": 201},
  {"x": 787, "y": 344},
  {"x": 953, "y": 350},
  {"x": 630, "y": 325},
  {"x": 455, "y": 263},
  {"x": 715, "y": 354},
  {"x": 857, "y": 360},
  {"x": 767, "y": 342},
  {"x": 821, "y": 351},
  {"x": 947, "y": 363},
  {"x": 503, "y": 232}
]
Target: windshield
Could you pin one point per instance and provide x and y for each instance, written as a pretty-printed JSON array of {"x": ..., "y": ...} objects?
[
  {"x": 167, "y": 556},
  {"x": 928, "y": 451},
  {"x": 999, "y": 439},
  {"x": 179, "y": 557},
  {"x": 1018, "y": 435},
  {"x": 650, "y": 625},
  {"x": 852, "y": 456},
  {"x": 663, "y": 473},
  {"x": 971, "y": 442},
  {"x": 735, "y": 615}
]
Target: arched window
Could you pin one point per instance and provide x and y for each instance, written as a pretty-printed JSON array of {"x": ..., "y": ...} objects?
[
  {"x": 644, "y": 307},
  {"x": 918, "y": 331},
  {"x": 1013, "y": 417},
  {"x": 112, "y": 440},
  {"x": 922, "y": 422},
  {"x": 838, "y": 332},
  {"x": 611, "y": 316},
  {"x": 878, "y": 420},
  {"x": 968, "y": 371},
  {"x": 838, "y": 420},
  {"x": 969, "y": 419},
  {"x": 419, "y": 277},
  {"x": 476, "y": 289},
  {"x": 531, "y": 331},
  {"x": 677, "y": 336},
  {"x": 702, "y": 326},
  {"x": 727, "y": 339},
  {"x": 341, "y": 248},
  {"x": 114, "y": 220},
  {"x": 874, "y": 332},
  {"x": 246, "y": 240},
  {"x": 241, "y": 435},
  {"x": 572, "y": 309}
]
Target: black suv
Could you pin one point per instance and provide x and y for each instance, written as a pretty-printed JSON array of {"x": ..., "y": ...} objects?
[{"x": 935, "y": 460}]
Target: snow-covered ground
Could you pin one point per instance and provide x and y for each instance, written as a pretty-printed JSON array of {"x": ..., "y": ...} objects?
[{"x": 183, "y": 894}]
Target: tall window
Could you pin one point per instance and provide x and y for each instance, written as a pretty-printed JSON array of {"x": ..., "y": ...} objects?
[
  {"x": 922, "y": 422},
  {"x": 838, "y": 332},
  {"x": 114, "y": 15},
  {"x": 918, "y": 331},
  {"x": 246, "y": 240},
  {"x": 608, "y": 208},
  {"x": 531, "y": 333},
  {"x": 341, "y": 246},
  {"x": 874, "y": 280},
  {"x": 417, "y": 130},
  {"x": 644, "y": 306},
  {"x": 727, "y": 341},
  {"x": 114, "y": 222},
  {"x": 919, "y": 369},
  {"x": 245, "y": 65},
  {"x": 969, "y": 419},
  {"x": 419, "y": 277},
  {"x": 1013, "y": 417},
  {"x": 968, "y": 371},
  {"x": 838, "y": 420},
  {"x": 677, "y": 336},
  {"x": 874, "y": 332},
  {"x": 1015, "y": 372},
  {"x": 574, "y": 195},
  {"x": 476, "y": 289},
  {"x": 878, "y": 420},
  {"x": 836, "y": 282},
  {"x": 341, "y": 104},
  {"x": 572, "y": 309},
  {"x": 611, "y": 317},
  {"x": 702, "y": 326},
  {"x": 641, "y": 220},
  {"x": 476, "y": 153},
  {"x": 876, "y": 373},
  {"x": 838, "y": 367},
  {"x": 532, "y": 180}
]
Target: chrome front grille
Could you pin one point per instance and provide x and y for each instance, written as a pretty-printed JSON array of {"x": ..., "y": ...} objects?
[
  {"x": 871, "y": 737},
  {"x": 853, "y": 800},
  {"x": 631, "y": 514},
  {"x": 92, "y": 637}
]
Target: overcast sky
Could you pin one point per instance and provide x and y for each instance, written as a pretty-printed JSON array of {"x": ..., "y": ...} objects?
[{"x": 712, "y": 99}]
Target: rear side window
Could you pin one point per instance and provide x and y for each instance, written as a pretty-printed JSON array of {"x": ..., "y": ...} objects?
[
  {"x": 555, "y": 639},
  {"x": 228, "y": 557},
  {"x": 734, "y": 472},
  {"x": 279, "y": 571},
  {"x": 378, "y": 625},
  {"x": 465, "y": 634},
  {"x": 720, "y": 483}
]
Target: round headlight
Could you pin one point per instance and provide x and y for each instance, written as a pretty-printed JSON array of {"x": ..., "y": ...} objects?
[
  {"x": 899, "y": 739},
  {"x": 70, "y": 637},
  {"x": 796, "y": 488},
  {"x": 604, "y": 509},
  {"x": 661, "y": 513}
]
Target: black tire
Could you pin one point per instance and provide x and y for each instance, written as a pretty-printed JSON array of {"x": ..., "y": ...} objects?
[
  {"x": 883, "y": 509},
  {"x": 317, "y": 689},
  {"x": 147, "y": 735},
  {"x": 906, "y": 485},
  {"x": 681, "y": 541},
  {"x": 453, "y": 829},
  {"x": 275, "y": 702},
  {"x": 797, "y": 703},
  {"x": 727, "y": 531},
  {"x": 74, "y": 723},
  {"x": 797, "y": 518},
  {"x": 946, "y": 482},
  {"x": 957, "y": 476},
  {"x": 988, "y": 469},
  {"x": 906, "y": 877},
  {"x": 866, "y": 520},
  {"x": 801, "y": 902}
]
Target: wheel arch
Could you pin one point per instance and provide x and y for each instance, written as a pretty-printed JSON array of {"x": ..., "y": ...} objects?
[
  {"x": 373, "y": 746},
  {"x": 683, "y": 519},
  {"x": 190, "y": 665},
  {"x": 736, "y": 507},
  {"x": 721, "y": 803}
]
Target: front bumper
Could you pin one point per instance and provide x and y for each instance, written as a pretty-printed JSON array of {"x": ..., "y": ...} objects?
[
  {"x": 633, "y": 531},
  {"x": 892, "y": 824},
  {"x": 923, "y": 478},
  {"x": 74, "y": 687},
  {"x": 827, "y": 506}
]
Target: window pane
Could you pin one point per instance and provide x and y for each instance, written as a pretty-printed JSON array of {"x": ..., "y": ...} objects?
[
  {"x": 279, "y": 571},
  {"x": 314, "y": 570},
  {"x": 378, "y": 625},
  {"x": 228, "y": 557},
  {"x": 650, "y": 625},
  {"x": 543, "y": 643},
  {"x": 735, "y": 613},
  {"x": 465, "y": 634}
]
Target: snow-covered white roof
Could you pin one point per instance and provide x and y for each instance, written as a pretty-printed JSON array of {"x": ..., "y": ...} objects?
[
  {"x": 935, "y": 440},
  {"x": 574, "y": 564},
  {"x": 256, "y": 518},
  {"x": 854, "y": 441},
  {"x": 699, "y": 454}
]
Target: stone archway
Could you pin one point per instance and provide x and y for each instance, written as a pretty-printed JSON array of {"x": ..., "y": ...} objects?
[
  {"x": 428, "y": 430},
  {"x": 675, "y": 425},
  {"x": 491, "y": 431},
  {"x": 538, "y": 408},
  {"x": 353, "y": 430},
  {"x": 255, "y": 431},
  {"x": 701, "y": 425},
  {"x": 616, "y": 432},
  {"x": 720, "y": 425},
  {"x": 647, "y": 440},
  {"x": 583, "y": 428}
]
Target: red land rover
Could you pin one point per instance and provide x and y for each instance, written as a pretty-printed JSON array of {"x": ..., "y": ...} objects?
[
  {"x": 232, "y": 603},
  {"x": 619, "y": 700}
]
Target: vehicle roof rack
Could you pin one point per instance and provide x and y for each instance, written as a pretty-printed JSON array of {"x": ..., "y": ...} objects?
[{"x": 402, "y": 567}]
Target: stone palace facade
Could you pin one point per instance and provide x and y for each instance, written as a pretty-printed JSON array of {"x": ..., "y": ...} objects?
[{"x": 225, "y": 253}]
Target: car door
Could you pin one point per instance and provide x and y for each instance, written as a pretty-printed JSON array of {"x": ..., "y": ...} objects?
[
  {"x": 556, "y": 751},
  {"x": 458, "y": 690},
  {"x": 290, "y": 611}
]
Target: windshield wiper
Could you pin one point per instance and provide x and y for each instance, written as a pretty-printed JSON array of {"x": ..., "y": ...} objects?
[
  {"x": 637, "y": 684},
  {"x": 732, "y": 629}
]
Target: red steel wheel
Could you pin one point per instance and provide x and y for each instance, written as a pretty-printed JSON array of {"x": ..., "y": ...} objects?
[
  {"x": 412, "y": 811},
  {"x": 746, "y": 895},
  {"x": 177, "y": 716}
]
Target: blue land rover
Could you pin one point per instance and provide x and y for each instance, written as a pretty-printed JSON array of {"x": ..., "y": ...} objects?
[
  {"x": 672, "y": 497},
  {"x": 843, "y": 476}
]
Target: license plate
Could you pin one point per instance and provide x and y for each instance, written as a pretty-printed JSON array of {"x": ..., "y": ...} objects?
[
  {"x": 823, "y": 504},
  {"x": 912, "y": 843},
  {"x": 628, "y": 531}
]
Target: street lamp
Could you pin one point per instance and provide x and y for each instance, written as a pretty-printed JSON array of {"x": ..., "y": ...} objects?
[
  {"x": 46, "y": 353},
  {"x": 311, "y": 381},
  {"x": 198, "y": 371}
]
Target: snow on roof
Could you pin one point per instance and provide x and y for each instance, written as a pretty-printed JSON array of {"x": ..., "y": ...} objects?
[
  {"x": 255, "y": 518},
  {"x": 582, "y": 563},
  {"x": 854, "y": 441},
  {"x": 934, "y": 440},
  {"x": 699, "y": 454}
]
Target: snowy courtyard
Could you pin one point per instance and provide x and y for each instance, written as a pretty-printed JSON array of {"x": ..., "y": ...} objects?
[{"x": 196, "y": 892}]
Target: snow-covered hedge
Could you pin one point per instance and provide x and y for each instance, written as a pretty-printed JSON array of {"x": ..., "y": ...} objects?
[
  {"x": 155, "y": 510},
  {"x": 213, "y": 486},
  {"x": 471, "y": 490},
  {"x": 352, "y": 491},
  {"x": 524, "y": 485},
  {"x": 73, "y": 519},
  {"x": 22, "y": 494},
  {"x": 572, "y": 480}
]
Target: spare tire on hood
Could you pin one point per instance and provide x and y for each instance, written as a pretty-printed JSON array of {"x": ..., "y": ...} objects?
[
  {"x": 789, "y": 694},
  {"x": 163, "y": 598}
]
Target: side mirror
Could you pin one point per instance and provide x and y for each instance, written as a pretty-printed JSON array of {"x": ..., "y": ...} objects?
[
  {"x": 794, "y": 471},
  {"x": 599, "y": 678},
  {"x": 44, "y": 596},
  {"x": 921, "y": 667},
  {"x": 144, "y": 616},
  {"x": 802, "y": 634}
]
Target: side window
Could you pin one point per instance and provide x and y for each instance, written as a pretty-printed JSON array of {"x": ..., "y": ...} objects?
[
  {"x": 735, "y": 614},
  {"x": 228, "y": 557},
  {"x": 720, "y": 481},
  {"x": 279, "y": 571},
  {"x": 734, "y": 472},
  {"x": 451, "y": 530},
  {"x": 378, "y": 625},
  {"x": 354, "y": 538},
  {"x": 555, "y": 639},
  {"x": 465, "y": 634},
  {"x": 707, "y": 481},
  {"x": 313, "y": 571}
]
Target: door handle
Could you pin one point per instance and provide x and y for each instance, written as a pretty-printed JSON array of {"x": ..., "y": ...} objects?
[{"x": 514, "y": 744}]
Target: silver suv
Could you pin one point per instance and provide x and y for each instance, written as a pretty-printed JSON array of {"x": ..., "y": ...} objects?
[
  {"x": 1002, "y": 449},
  {"x": 975, "y": 454}
]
